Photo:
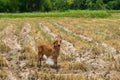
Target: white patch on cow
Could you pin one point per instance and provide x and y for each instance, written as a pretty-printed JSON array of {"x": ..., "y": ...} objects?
[{"x": 49, "y": 61}]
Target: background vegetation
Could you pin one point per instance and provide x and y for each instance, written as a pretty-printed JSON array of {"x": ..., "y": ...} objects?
[
  {"x": 68, "y": 13},
  {"x": 53, "y": 5}
]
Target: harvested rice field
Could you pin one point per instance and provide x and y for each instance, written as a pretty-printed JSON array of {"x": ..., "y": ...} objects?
[{"x": 90, "y": 48}]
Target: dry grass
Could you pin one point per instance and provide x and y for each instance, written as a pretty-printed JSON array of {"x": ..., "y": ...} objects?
[
  {"x": 62, "y": 77},
  {"x": 67, "y": 36},
  {"x": 3, "y": 47},
  {"x": 30, "y": 55},
  {"x": 106, "y": 30},
  {"x": 64, "y": 57},
  {"x": 3, "y": 75},
  {"x": 96, "y": 50},
  {"x": 77, "y": 66},
  {"x": 101, "y": 30},
  {"x": 3, "y": 62},
  {"x": 115, "y": 64}
]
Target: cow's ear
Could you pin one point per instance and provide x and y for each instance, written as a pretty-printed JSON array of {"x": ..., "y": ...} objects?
[{"x": 54, "y": 42}]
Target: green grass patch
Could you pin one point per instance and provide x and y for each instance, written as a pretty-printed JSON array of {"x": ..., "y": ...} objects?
[
  {"x": 113, "y": 11},
  {"x": 69, "y": 13}
]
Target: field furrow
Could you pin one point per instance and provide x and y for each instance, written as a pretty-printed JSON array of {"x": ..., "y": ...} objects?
[
  {"x": 89, "y": 49},
  {"x": 67, "y": 47},
  {"x": 102, "y": 44},
  {"x": 78, "y": 43},
  {"x": 101, "y": 30},
  {"x": 87, "y": 58}
]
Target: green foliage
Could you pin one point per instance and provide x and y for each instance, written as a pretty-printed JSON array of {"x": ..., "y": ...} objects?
[
  {"x": 69, "y": 13},
  {"x": 79, "y": 4},
  {"x": 115, "y": 4},
  {"x": 4, "y": 5},
  {"x": 89, "y": 4},
  {"x": 113, "y": 11},
  {"x": 111, "y": 4},
  {"x": 51, "y": 5},
  {"x": 99, "y": 5},
  {"x": 60, "y": 5},
  {"x": 28, "y": 5},
  {"x": 45, "y": 5}
]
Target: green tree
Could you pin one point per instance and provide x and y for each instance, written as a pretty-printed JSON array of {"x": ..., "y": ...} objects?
[
  {"x": 45, "y": 5},
  {"x": 29, "y": 5},
  {"x": 110, "y": 4},
  {"x": 114, "y": 4},
  {"x": 13, "y": 5},
  {"x": 99, "y": 5},
  {"x": 60, "y": 4},
  {"x": 79, "y": 4},
  {"x": 89, "y": 4},
  {"x": 4, "y": 5},
  {"x": 48, "y": 5},
  {"x": 117, "y": 6}
]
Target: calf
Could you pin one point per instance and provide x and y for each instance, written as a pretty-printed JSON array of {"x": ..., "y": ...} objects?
[{"x": 49, "y": 50}]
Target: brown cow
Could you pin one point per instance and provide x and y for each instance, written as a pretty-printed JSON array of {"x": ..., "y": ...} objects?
[{"x": 49, "y": 50}]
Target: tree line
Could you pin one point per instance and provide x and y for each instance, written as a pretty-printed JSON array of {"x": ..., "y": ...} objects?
[{"x": 53, "y": 5}]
